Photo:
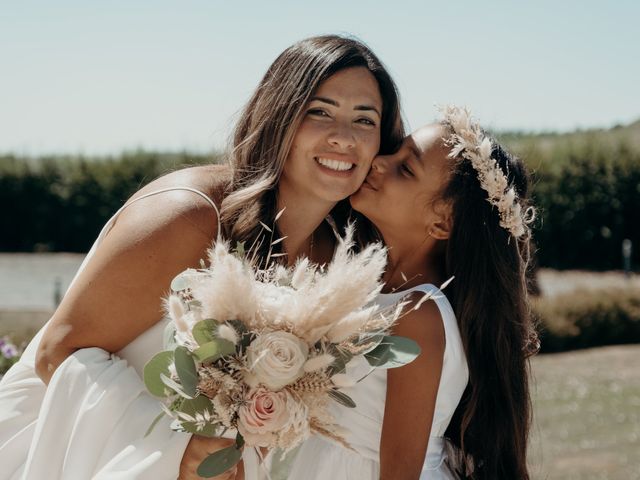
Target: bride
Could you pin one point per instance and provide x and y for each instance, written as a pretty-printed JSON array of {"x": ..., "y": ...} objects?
[{"x": 74, "y": 407}]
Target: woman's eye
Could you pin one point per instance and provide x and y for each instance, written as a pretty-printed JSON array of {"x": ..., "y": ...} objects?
[
  {"x": 318, "y": 112},
  {"x": 366, "y": 121}
]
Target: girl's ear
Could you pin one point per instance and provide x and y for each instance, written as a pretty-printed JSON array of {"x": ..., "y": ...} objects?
[{"x": 440, "y": 228}]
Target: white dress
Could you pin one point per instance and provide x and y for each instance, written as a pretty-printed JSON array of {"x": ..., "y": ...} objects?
[
  {"x": 90, "y": 422},
  {"x": 319, "y": 458}
]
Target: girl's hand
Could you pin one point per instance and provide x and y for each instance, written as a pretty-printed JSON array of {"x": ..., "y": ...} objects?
[{"x": 198, "y": 449}]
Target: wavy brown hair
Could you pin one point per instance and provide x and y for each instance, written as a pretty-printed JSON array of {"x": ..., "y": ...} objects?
[
  {"x": 267, "y": 125},
  {"x": 490, "y": 427}
]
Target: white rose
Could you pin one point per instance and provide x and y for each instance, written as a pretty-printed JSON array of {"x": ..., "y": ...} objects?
[{"x": 277, "y": 358}]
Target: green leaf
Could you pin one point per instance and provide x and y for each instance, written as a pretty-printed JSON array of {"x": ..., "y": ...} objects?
[
  {"x": 379, "y": 355},
  {"x": 205, "y": 331},
  {"x": 192, "y": 407},
  {"x": 339, "y": 365},
  {"x": 159, "y": 364},
  {"x": 393, "y": 352},
  {"x": 219, "y": 462},
  {"x": 240, "y": 250},
  {"x": 180, "y": 282},
  {"x": 342, "y": 398},
  {"x": 213, "y": 350},
  {"x": 154, "y": 423},
  {"x": 186, "y": 370}
]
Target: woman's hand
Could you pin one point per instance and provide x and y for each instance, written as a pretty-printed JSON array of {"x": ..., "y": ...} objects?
[{"x": 198, "y": 449}]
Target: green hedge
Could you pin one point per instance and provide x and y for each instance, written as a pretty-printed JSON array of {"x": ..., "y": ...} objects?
[
  {"x": 61, "y": 203},
  {"x": 589, "y": 202},
  {"x": 588, "y": 318},
  {"x": 588, "y": 196}
]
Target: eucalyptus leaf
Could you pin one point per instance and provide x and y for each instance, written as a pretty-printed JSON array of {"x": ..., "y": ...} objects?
[
  {"x": 342, "y": 398},
  {"x": 186, "y": 370},
  {"x": 219, "y": 462},
  {"x": 154, "y": 423},
  {"x": 214, "y": 349},
  {"x": 158, "y": 365},
  {"x": 180, "y": 283},
  {"x": 379, "y": 355},
  {"x": 205, "y": 331},
  {"x": 393, "y": 352}
]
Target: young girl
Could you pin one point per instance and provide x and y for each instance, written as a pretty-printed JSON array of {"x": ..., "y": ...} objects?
[
  {"x": 449, "y": 203},
  {"x": 71, "y": 409}
]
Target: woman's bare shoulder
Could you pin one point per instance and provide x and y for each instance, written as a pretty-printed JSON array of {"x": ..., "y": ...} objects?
[
  {"x": 180, "y": 205},
  {"x": 213, "y": 180}
]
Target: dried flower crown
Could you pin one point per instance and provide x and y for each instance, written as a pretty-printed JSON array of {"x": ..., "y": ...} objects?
[{"x": 468, "y": 140}]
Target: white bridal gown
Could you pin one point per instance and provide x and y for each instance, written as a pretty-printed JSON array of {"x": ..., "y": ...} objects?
[
  {"x": 319, "y": 458},
  {"x": 90, "y": 422}
]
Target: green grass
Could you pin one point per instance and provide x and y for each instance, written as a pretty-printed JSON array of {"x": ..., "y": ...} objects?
[{"x": 587, "y": 415}]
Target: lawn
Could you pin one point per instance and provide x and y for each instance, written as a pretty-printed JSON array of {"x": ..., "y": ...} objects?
[{"x": 587, "y": 414}]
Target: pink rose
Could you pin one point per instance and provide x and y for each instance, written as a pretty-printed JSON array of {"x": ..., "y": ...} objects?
[{"x": 262, "y": 416}]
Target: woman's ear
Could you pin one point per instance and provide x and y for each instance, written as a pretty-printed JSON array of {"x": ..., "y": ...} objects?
[{"x": 440, "y": 228}]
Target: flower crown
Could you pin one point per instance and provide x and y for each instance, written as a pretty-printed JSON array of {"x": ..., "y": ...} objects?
[{"x": 468, "y": 141}]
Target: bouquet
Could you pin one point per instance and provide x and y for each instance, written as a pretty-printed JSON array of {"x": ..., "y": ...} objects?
[{"x": 261, "y": 351}]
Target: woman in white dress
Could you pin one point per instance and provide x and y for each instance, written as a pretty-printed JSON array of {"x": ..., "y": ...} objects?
[
  {"x": 75, "y": 407},
  {"x": 444, "y": 205}
]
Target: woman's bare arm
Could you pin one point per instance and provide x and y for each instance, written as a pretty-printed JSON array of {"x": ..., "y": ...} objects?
[
  {"x": 411, "y": 396},
  {"x": 118, "y": 294}
]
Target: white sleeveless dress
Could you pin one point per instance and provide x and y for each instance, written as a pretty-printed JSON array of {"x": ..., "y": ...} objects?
[
  {"x": 90, "y": 422},
  {"x": 319, "y": 458}
]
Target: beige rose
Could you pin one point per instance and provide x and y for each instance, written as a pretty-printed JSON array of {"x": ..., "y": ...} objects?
[
  {"x": 262, "y": 416},
  {"x": 277, "y": 358}
]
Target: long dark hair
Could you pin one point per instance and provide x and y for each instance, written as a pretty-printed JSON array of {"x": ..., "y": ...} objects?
[
  {"x": 490, "y": 428},
  {"x": 268, "y": 123}
]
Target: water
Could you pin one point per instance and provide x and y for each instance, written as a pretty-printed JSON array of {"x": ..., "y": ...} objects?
[{"x": 27, "y": 280}]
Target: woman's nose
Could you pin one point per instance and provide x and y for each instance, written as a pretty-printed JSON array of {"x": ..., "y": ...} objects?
[{"x": 342, "y": 137}]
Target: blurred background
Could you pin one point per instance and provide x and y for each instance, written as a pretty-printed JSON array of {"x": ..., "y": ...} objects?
[{"x": 98, "y": 99}]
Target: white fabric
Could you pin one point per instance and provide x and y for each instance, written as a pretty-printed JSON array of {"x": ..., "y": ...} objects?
[
  {"x": 319, "y": 458},
  {"x": 91, "y": 420}
]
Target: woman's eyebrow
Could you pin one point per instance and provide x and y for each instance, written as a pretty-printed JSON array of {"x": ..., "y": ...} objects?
[{"x": 365, "y": 108}]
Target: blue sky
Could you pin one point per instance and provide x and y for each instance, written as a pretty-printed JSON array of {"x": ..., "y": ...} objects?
[{"x": 100, "y": 77}]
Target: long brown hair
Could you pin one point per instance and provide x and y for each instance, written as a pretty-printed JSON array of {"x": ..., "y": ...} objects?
[
  {"x": 490, "y": 427},
  {"x": 268, "y": 123}
]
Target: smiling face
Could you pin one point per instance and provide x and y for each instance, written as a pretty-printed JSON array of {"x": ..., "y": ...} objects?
[
  {"x": 402, "y": 193},
  {"x": 337, "y": 139}
]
